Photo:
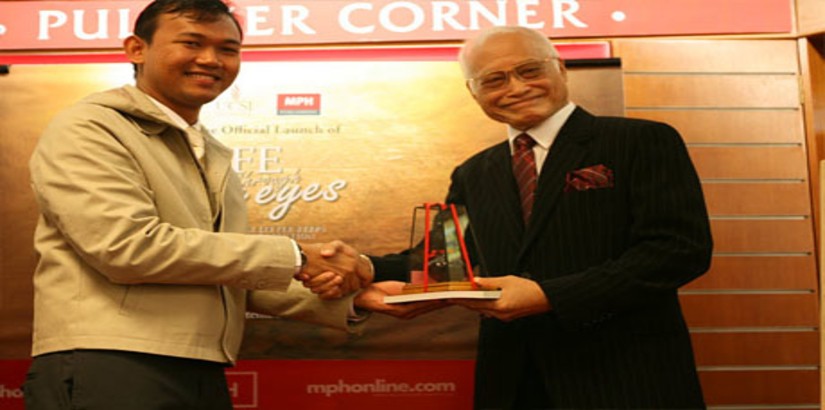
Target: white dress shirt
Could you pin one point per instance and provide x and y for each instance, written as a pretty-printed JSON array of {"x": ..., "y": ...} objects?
[{"x": 544, "y": 133}]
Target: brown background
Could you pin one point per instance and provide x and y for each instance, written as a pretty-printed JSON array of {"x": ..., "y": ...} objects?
[{"x": 402, "y": 127}]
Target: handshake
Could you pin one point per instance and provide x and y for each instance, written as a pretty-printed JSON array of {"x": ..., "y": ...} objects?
[{"x": 334, "y": 269}]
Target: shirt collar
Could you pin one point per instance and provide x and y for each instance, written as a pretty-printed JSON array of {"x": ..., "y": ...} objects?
[
  {"x": 544, "y": 133},
  {"x": 177, "y": 119}
]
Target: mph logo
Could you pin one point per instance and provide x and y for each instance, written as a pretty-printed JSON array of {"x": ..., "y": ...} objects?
[{"x": 299, "y": 104}]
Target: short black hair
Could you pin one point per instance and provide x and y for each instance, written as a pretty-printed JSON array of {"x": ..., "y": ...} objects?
[{"x": 199, "y": 10}]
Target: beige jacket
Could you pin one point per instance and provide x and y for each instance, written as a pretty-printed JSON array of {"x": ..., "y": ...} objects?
[{"x": 140, "y": 249}]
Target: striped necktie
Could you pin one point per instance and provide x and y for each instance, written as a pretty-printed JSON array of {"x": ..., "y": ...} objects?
[{"x": 524, "y": 169}]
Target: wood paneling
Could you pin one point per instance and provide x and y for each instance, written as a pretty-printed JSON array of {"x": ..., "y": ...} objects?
[
  {"x": 751, "y": 310},
  {"x": 597, "y": 89},
  {"x": 738, "y": 106},
  {"x": 750, "y": 162},
  {"x": 757, "y": 198},
  {"x": 712, "y": 90},
  {"x": 761, "y": 387},
  {"x": 756, "y": 348},
  {"x": 744, "y": 235},
  {"x": 758, "y": 272},
  {"x": 812, "y": 62},
  {"x": 810, "y": 16},
  {"x": 730, "y": 126},
  {"x": 821, "y": 230},
  {"x": 703, "y": 56}
]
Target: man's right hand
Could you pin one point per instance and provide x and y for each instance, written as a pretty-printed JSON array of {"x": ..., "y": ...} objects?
[
  {"x": 372, "y": 299},
  {"x": 334, "y": 269}
]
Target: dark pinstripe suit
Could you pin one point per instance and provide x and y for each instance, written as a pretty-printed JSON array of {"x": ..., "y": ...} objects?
[{"x": 609, "y": 260}]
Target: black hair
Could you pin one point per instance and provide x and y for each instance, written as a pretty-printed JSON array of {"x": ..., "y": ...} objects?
[{"x": 199, "y": 10}]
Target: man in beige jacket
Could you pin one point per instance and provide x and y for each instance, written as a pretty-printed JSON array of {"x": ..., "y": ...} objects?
[{"x": 145, "y": 265}]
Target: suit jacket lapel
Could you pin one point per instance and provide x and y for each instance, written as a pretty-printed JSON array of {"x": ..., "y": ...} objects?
[
  {"x": 565, "y": 154},
  {"x": 500, "y": 173}
]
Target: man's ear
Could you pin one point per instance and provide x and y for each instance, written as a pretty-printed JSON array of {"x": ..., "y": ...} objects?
[
  {"x": 467, "y": 84},
  {"x": 135, "y": 49},
  {"x": 562, "y": 69}
]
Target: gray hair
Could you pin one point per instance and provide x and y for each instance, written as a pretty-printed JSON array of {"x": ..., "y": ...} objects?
[{"x": 470, "y": 44}]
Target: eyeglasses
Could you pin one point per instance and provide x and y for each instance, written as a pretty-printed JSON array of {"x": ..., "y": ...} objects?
[{"x": 529, "y": 71}]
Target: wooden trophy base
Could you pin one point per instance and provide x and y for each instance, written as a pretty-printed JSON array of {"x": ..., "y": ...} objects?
[
  {"x": 442, "y": 290},
  {"x": 441, "y": 287}
]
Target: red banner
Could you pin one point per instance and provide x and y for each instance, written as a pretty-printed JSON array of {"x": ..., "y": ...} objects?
[
  {"x": 12, "y": 375},
  {"x": 320, "y": 385},
  {"x": 38, "y": 25}
]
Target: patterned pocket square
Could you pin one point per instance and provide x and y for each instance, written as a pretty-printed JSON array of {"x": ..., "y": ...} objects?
[{"x": 593, "y": 177}]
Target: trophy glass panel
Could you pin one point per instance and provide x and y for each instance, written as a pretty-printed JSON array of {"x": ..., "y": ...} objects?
[
  {"x": 440, "y": 267},
  {"x": 438, "y": 260}
]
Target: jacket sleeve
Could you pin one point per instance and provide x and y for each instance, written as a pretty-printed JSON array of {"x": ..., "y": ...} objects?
[
  {"x": 95, "y": 198},
  {"x": 298, "y": 303}
]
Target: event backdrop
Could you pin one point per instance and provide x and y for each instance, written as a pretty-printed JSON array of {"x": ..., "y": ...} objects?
[{"x": 326, "y": 149}]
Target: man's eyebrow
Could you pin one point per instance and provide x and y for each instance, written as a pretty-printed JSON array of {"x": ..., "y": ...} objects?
[{"x": 202, "y": 36}]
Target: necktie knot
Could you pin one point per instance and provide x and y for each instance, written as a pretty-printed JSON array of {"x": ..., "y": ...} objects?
[{"x": 524, "y": 141}]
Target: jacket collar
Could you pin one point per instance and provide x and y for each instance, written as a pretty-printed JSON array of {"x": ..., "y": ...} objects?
[{"x": 135, "y": 104}]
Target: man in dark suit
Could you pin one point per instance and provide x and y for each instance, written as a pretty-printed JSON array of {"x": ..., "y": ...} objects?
[{"x": 589, "y": 242}]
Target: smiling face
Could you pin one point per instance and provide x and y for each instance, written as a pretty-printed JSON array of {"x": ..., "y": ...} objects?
[
  {"x": 188, "y": 62},
  {"x": 520, "y": 103}
]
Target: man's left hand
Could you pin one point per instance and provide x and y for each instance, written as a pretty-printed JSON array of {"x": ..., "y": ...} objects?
[{"x": 519, "y": 298}]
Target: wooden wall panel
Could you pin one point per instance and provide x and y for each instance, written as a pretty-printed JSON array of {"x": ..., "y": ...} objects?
[
  {"x": 810, "y": 16},
  {"x": 703, "y": 56},
  {"x": 730, "y": 126},
  {"x": 759, "y": 198},
  {"x": 756, "y": 348},
  {"x": 597, "y": 89},
  {"x": 751, "y": 310},
  {"x": 794, "y": 272},
  {"x": 750, "y": 162},
  {"x": 763, "y": 235},
  {"x": 712, "y": 90},
  {"x": 812, "y": 65},
  {"x": 754, "y": 316},
  {"x": 772, "y": 389}
]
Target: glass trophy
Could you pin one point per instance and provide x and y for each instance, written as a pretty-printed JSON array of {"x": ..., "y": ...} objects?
[{"x": 439, "y": 264}]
